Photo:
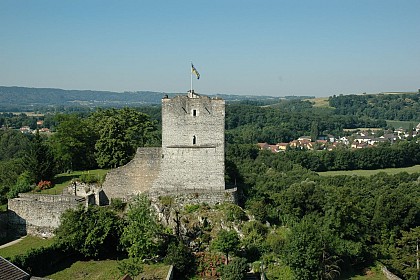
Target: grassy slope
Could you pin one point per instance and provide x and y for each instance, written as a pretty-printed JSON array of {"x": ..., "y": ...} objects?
[
  {"x": 412, "y": 169},
  {"x": 26, "y": 244},
  {"x": 63, "y": 180}
]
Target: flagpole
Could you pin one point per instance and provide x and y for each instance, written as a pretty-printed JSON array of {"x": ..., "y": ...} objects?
[{"x": 191, "y": 78}]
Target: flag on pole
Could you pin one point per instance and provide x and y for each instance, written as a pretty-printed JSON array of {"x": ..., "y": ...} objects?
[{"x": 194, "y": 71}]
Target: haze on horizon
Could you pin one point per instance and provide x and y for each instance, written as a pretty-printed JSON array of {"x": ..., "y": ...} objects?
[{"x": 248, "y": 47}]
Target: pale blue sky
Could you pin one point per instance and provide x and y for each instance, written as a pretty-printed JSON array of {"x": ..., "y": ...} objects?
[{"x": 255, "y": 47}]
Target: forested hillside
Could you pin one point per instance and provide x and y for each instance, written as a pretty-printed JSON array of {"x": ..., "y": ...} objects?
[
  {"x": 403, "y": 107},
  {"x": 20, "y": 99}
]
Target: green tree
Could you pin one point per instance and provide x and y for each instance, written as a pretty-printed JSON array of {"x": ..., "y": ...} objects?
[
  {"x": 308, "y": 251},
  {"x": 92, "y": 232},
  {"x": 73, "y": 143},
  {"x": 119, "y": 134},
  {"x": 314, "y": 131},
  {"x": 406, "y": 255},
  {"x": 39, "y": 161},
  {"x": 23, "y": 184},
  {"x": 226, "y": 242},
  {"x": 142, "y": 234}
]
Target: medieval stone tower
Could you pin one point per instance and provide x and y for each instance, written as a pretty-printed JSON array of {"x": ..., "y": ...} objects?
[
  {"x": 193, "y": 137},
  {"x": 190, "y": 164}
]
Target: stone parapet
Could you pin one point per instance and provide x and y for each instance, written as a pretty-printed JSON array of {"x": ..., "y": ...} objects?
[{"x": 37, "y": 214}]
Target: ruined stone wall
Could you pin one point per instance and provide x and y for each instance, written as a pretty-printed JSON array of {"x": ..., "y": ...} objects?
[
  {"x": 191, "y": 157},
  {"x": 186, "y": 197},
  {"x": 135, "y": 177},
  {"x": 39, "y": 214}
]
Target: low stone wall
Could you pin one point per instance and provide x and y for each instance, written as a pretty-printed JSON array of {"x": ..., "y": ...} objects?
[{"x": 39, "y": 214}]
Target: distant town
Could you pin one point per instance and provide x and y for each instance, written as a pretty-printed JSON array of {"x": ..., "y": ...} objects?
[{"x": 360, "y": 139}]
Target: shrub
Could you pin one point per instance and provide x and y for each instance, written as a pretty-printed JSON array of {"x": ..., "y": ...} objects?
[
  {"x": 191, "y": 208},
  {"x": 42, "y": 260},
  {"x": 23, "y": 184},
  {"x": 130, "y": 266},
  {"x": 43, "y": 185},
  {"x": 117, "y": 204},
  {"x": 235, "y": 270},
  {"x": 91, "y": 179},
  {"x": 181, "y": 257},
  {"x": 235, "y": 213}
]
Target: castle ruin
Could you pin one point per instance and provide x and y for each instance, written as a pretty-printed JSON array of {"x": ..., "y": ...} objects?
[{"x": 189, "y": 165}]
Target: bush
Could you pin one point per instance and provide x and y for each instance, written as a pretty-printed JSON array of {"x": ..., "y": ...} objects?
[
  {"x": 130, "y": 266},
  {"x": 91, "y": 179},
  {"x": 42, "y": 260},
  {"x": 117, "y": 204},
  {"x": 23, "y": 184},
  {"x": 43, "y": 185},
  {"x": 235, "y": 270},
  {"x": 181, "y": 257},
  {"x": 235, "y": 213}
]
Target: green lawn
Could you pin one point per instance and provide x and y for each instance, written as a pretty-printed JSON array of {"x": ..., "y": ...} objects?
[
  {"x": 412, "y": 169},
  {"x": 63, "y": 180},
  {"x": 26, "y": 244},
  {"x": 88, "y": 270},
  {"x": 106, "y": 270}
]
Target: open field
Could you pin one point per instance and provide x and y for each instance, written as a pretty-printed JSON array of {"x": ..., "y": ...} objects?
[
  {"x": 412, "y": 169},
  {"x": 319, "y": 102},
  {"x": 26, "y": 244},
  {"x": 402, "y": 124}
]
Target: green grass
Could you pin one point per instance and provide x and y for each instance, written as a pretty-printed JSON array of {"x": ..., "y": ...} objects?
[
  {"x": 63, "y": 180},
  {"x": 3, "y": 207},
  {"x": 403, "y": 124},
  {"x": 26, "y": 244},
  {"x": 106, "y": 270},
  {"x": 412, "y": 169}
]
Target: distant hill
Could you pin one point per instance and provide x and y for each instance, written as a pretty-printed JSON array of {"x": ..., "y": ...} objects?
[{"x": 29, "y": 99}]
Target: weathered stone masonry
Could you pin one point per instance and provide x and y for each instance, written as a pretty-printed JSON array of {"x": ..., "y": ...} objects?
[
  {"x": 188, "y": 167},
  {"x": 38, "y": 214},
  {"x": 191, "y": 159}
]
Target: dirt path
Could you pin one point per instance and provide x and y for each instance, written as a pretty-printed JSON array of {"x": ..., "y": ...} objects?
[{"x": 12, "y": 242}]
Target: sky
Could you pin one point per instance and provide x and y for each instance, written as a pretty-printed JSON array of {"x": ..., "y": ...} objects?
[{"x": 277, "y": 48}]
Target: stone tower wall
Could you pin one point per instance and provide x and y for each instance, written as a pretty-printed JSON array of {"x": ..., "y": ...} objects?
[{"x": 193, "y": 135}]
